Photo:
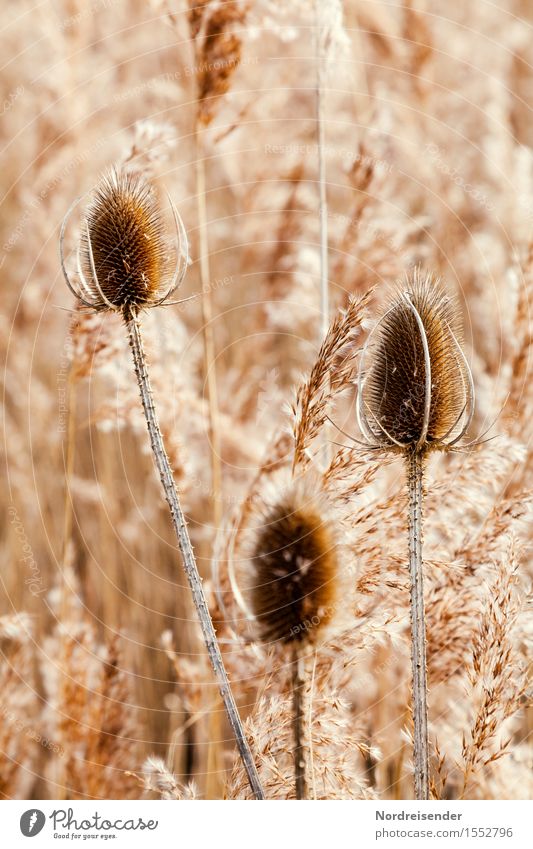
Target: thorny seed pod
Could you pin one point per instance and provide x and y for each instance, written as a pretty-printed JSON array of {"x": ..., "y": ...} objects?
[
  {"x": 122, "y": 257},
  {"x": 294, "y": 570},
  {"x": 121, "y": 261},
  {"x": 416, "y": 393}
]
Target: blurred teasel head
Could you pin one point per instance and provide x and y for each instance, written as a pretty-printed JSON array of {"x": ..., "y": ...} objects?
[
  {"x": 294, "y": 558},
  {"x": 122, "y": 258},
  {"x": 415, "y": 389}
]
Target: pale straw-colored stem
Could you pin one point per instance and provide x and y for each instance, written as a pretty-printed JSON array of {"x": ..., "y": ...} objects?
[
  {"x": 207, "y": 331},
  {"x": 322, "y": 194},
  {"x": 298, "y": 684},
  {"x": 189, "y": 561},
  {"x": 418, "y": 627}
]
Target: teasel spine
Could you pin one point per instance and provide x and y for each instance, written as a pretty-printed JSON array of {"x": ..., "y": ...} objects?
[{"x": 132, "y": 193}]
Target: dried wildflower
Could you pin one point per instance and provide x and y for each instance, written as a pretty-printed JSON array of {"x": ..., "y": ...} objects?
[
  {"x": 416, "y": 395},
  {"x": 417, "y": 392},
  {"x": 122, "y": 254},
  {"x": 122, "y": 248},
  {"x": 295, "y": 565},
  {"x": 294, "y": 591}
]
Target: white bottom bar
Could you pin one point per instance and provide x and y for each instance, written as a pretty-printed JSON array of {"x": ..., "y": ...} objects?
[{"x": 275, "y": 825}]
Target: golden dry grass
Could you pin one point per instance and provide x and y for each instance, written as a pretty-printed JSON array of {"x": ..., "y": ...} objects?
[{"x": 105, "y": 686}]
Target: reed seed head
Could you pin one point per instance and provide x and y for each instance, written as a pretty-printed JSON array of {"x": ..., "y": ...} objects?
[
  {"x": 220, "y": 54},
  {"x": 415, "y": 388},
  {"x": 122, "y": 258},
  {"x": 295, "y": 570}
]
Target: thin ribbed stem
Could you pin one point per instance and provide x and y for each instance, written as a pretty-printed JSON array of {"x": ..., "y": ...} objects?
[
  {"x": 418, "y": 627},
  {"x": 189, "y": 562},
  {"x": 298, "y": 682},
  {"x": 322, "y": 188},
  {"x": 322, "y": 194},
  {"x": 207, "y": 331}
]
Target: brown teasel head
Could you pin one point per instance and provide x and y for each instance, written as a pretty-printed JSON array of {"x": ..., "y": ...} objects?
[
  {"x": 415, "y": 389},
  {"x": 294, "y": 562},
  {"x": 122, "y": 257}
]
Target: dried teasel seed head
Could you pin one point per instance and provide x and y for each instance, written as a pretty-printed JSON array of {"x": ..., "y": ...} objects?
[
  {"x": 415, "y": 390},
  {"x": 123, "y": 257},
  {"x": 294, "y": 560}
]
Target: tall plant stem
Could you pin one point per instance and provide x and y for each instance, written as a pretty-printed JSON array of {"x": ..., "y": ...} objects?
[
  {"x": 322, "y": 189},
  {"x": 418, "y": 627},
  {"x": 207, "y": 329},
  {"x": 298, "y": 682},
  {"x": 189, "y": 562},
  {"x": 69, "y": 456},
  {"x": 320, "y": 117}
]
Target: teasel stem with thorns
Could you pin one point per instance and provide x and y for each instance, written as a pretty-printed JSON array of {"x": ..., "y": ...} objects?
[
  {"x": 416, "y": 395},
  {"x": 122, "y": 267},
  {"x": 294, "y": 592}
]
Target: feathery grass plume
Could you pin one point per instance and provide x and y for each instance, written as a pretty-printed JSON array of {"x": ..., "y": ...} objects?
[
  {"x": 416, "y": 395},
  {"x": 495, "y": 659},
  {"x": 294, "y": 591},
  {"x": 157, "y": 778},
  {"x": 20, "y": 723},
  {"x": 121, "y": 262},
  {"x": 332, "y": 373},
  {"x": 218, "y": 51}
]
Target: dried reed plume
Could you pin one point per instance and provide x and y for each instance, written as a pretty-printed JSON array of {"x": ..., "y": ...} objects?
[
  {"x": 121, "y": 267},
  {"x": 416, "y": 395},
  {"x": 294, "y": 592},
  {"x": 218, "y": 52}
]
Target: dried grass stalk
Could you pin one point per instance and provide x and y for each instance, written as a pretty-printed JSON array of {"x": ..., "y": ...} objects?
[{"x": 217, "y": 50}]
